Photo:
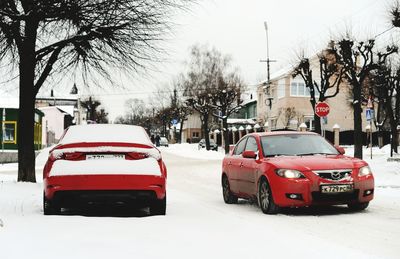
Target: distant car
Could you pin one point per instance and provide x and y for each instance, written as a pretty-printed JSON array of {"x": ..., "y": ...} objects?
[
  {"x": 164, "y": 141},
  {"x": 213, "y": 145},
  {"x": 293, "y": 169},
  {"x": 104, "y": 163}
]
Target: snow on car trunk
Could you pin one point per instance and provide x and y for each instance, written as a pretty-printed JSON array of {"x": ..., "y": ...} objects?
[
  {"x": 147, "y": 166},
  {"x": 106, "y": 133}
]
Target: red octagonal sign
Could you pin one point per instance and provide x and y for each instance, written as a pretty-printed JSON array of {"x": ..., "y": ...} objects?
[{"x": 322, "y": 109}]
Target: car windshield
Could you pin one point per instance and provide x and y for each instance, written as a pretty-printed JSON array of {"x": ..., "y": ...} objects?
[{"x": 296, "y": 145}]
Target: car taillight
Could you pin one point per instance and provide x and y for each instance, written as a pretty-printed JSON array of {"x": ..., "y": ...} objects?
[
  {"x": 136, "y": 156},
  {"x": 74, "y": 156},
  {"x": 59, "y": 155}
]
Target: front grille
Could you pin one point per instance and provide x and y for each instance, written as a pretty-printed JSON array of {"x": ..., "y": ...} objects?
[
  {"x": 336, "y": 197},
  {"x": 335, "y": 175}
]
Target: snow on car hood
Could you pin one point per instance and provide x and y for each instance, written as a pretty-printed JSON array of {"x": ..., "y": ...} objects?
[
  {"x": 316, "y": 162},
  {"x": 148, "y": 166}
]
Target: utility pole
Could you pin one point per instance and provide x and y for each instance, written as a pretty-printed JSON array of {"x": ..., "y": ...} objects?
[{"x": 268, "y": 61}]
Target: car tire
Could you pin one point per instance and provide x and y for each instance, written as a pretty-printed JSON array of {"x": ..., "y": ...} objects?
[
  {"x": 265, "y": 199},
  {"x": 159, "y": 207},
  {"x": 229, "y": 197},
  {"x": 50, "y": 207},
  {"x": 358, "y": 206}
]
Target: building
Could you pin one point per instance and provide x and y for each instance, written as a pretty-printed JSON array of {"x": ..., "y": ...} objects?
[
  {"x": 288, "y": 103},
  {"x": 9, "y": 112}
]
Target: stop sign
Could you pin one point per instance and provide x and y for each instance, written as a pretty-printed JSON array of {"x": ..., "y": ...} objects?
[{"x": 322, "y": 109}]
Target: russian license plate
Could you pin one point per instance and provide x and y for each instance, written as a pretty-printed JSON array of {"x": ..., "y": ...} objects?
[
  {"x": 105, "y": 156},
  {"x": 337, "y": 188}
]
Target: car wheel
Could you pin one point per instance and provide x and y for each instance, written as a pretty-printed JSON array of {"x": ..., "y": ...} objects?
[
  {"x": 358, "y": 206},
  {"x": 229, "y": 197},
  {"x": 50, "y": 207},
  {"x": 265, "y": 199},
  {"x": 159, "y": 207}
]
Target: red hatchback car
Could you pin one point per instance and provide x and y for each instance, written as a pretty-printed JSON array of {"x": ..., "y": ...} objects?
[
  {"x": 104, "y": 163},
  {"x": 294, "y": 169}
]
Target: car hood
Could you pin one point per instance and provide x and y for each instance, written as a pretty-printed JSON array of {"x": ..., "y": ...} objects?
[{"x": 316, "y": 162}]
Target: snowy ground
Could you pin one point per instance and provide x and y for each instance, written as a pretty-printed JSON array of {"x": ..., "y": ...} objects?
[{"x": 198, "y": 223}]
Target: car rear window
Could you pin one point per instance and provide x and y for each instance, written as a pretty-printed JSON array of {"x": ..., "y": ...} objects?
[{"x": 106, "y": 133}]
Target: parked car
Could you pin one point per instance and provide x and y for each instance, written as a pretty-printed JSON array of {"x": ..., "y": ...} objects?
[
  {"x": 293, "y": 169},
  {"x": 213, "y": 145},
  {"x": 104, "y": 163},
  {"x": 164, "y": 141}
]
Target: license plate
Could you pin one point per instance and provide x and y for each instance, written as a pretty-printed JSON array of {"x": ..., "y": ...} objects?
[
  {"x": 338, "y": 188},
  {"x": 105, "y": 156}
]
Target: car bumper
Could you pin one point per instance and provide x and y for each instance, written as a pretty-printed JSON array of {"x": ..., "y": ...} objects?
[
  {"x": 124, "y": 187},
  {"x": 307, "y": 192}
]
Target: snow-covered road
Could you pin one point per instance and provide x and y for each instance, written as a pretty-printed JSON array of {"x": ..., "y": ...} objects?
[{"x": 198, "y": 224}]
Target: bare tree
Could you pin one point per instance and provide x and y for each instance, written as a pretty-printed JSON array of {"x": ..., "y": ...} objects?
[
  {"x": 386, "y": 91},
  {"x": 42, "y": 37},
  {"x": 330, "y": 75},
  {"x": 358, "y": 62},
  {"x": 226, "y": 100},
  {"x": 90, "y": 105},
  {"x": 213, "y": 88},
  {"x": 288, "y": 114}
]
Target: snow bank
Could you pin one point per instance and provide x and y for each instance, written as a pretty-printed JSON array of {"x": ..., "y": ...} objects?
[{"x": 148, "y": 166}]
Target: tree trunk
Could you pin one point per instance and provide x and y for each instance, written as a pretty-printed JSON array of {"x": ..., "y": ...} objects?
[
  {"x": 225, "y": 134},
  {"x": 317, "y": 124},
  {"x": 180, "y": 131},
  {"x": 358, "y": 152},
  {"x": 205, "y": 131},
  {"x": 393, "y": 142},
  {"x": 26, "y": 116}
]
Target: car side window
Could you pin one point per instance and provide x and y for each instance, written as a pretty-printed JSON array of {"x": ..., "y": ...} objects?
[
  {"x": 251, "y": 144},
  {"x": 240, "y": 147}
]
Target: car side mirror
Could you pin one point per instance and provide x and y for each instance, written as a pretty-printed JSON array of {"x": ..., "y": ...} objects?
[
  {"x": 340, "y": 150},
  {"x": 249, "y": 154}
]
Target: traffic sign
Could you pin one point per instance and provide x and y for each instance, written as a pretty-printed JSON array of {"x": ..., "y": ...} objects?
[{"x": 322, "y": 109}]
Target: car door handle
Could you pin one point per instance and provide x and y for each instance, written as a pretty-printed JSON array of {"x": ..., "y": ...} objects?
[
  {"x": 230, "y": 163},
  {"x": 241, "y": 164}
]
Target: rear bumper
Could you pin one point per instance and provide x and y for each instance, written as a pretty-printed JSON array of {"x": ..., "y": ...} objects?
[
  {"x": 306, "y": 192},
  {"x": 96, "y": 187}
]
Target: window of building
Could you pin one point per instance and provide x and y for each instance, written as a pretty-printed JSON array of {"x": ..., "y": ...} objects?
[
  {"x": 195, "y": 134},
  {"x": 10, "y": 132},
  {"x": 299, "y": 89},
  {"x": 281, "y": 88}
]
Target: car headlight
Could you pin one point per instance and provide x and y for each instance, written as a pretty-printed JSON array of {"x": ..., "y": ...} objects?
[
  {"x": 289, "y": 173},
  {"x": 363, "y": 171}
]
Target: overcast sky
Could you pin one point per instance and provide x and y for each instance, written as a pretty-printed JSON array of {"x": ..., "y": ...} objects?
[{"x": 236, "y": 28}]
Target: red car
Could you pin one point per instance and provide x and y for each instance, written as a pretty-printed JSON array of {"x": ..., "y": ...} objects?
[
  {"x": 294, "y": 169},
  {"x": 104, "y": 163}
]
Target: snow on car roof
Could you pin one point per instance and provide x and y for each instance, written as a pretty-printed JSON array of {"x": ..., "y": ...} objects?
[{"x": 106, "y": 133}]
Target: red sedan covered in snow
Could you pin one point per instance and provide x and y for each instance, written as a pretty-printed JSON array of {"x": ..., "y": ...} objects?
[
  {"x": 294, "y": 169},
  {"x": 104, "y": 163}
]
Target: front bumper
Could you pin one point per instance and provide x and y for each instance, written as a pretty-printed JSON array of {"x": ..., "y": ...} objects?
[{"x": 307, "y": 192}]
